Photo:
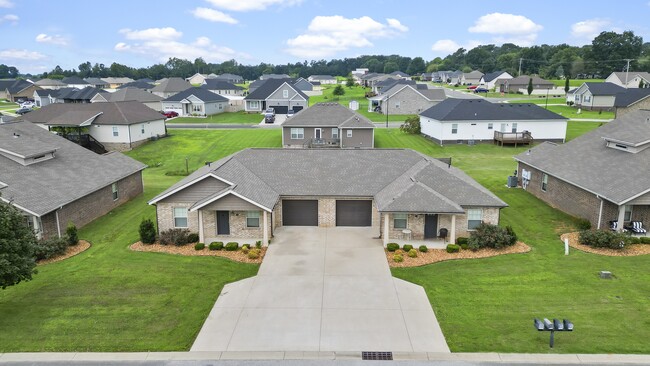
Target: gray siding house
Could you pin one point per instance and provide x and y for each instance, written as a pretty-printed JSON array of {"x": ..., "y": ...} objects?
[
  {"x": 55, "y": 182},
  {"x": 328, "y": 125},
  {"x": 277, "y": 93},
  {"x": 195, "y": 101},
  {"x": 405, "y": 99},
  {"x": 601, "y": 176},
  {"x": 596, "y": 96},
  {"x": 249, "y": 194}
]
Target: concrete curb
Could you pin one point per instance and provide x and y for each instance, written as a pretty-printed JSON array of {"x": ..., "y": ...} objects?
[{"x": 483, "y": 358}]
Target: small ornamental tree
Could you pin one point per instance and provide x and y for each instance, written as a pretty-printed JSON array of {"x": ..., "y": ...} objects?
[
  {"x": 566, "y": 85},
  {"x": 71, "y": 234},
  {"x": 338, "y": 90},
  {"x": 147, "y": 232},
  {"x": 349, "y": 82},
  {"x": 17, "y": 245},
  {"x": 411, "y": 125},
  {"x": 530, "y": 86}
]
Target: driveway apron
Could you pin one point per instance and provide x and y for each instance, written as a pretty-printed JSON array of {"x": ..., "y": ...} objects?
[{"x": 322, "y": 289}]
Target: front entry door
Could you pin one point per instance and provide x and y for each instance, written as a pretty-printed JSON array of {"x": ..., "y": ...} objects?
[
  {"x": 430, "y": 226},
  {"x": 317, "y": 134},
  {"x": 223, "y": 222}
]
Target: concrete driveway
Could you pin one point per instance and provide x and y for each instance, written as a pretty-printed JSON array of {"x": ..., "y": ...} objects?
[{"x": 322, "y": 289}]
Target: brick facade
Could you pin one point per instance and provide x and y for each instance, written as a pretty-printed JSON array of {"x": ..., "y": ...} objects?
[
  {"x": 123, "y": 146},
  {"x": 644, "y": 104},
  {"x": 92, "y": 206}
]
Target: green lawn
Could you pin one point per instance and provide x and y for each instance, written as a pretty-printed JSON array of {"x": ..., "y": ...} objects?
[
  {"x": 355, "y": 93},
  {"x": 572, "y": 112},
  {"x": 111, "y": 299},
  {"x": 488, "y": 305},
  {"x": 578, "y": 128},
  {"x": 540, "y": 101},
  {"x": 225, "y": 118},
  {"x": 575, "y": 82}
]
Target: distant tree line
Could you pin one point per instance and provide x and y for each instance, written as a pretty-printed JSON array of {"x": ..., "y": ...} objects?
[{"x": 606, "y": 53}]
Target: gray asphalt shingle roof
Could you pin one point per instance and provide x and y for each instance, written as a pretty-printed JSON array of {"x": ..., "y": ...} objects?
[
  {"x": 112, "y": 113},
  {"x": 137, "y": 94},
  {"x": 481, "y": 110},
  {"x": 605, "y": 88},
  {"x": 265, "y": 89},
  {"x": 631, "y": 96},
  {"x": 328, "y": 115},
  {"x": 400, "y": 180},
  {"x": 203, "y": 94},
  {"x": 74, "y": 80},
  {"x": 73, "y": 173},
  {"x": 492, "y": 75},
  {"x": 172, "y": 85},
  {"x": 220, "y": 84},
  {"x": 587, "y": 162}
]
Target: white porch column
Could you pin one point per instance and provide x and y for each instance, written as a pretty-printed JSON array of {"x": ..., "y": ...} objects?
[
  {"x": 452, "y": 233},
  {"x": 386, "y": 228},
  {"x": 265, "y": 239},
  {"x": 621, "y": 217},
  {"x": 201, "y": 239}
]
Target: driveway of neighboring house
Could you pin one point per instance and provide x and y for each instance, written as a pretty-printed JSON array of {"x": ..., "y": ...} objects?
[{"x": 322, "y": 289}]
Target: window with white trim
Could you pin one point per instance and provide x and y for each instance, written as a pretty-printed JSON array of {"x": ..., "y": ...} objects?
[
  {"x": 544, "y": 181},
  {"x": 252, "y": 219},
  {"x": 285, "y": 94},
  {"x": 474, "y": 218},
  {"x": 297, "y": 133},
  {"x": 400, "y": 220},
  {"x": 114, "y": 191},
  {"x": 180, "y": 217},
  {"x": 490, "y": 126},
  {"x": 349, "y": 133},
  {"x": 116, "y": 131},
  {"x": 514, "y": 127},
  {"x": 254, "y": 104},
  {"x": 335, "y": 133},
  {"x": 397, "y": 105},
  {"x": 454, "y": 128},
  {"x": 142, "y": 129}
]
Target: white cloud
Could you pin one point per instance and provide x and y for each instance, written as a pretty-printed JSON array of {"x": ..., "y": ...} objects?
[
  {"x": 12, "y": 18},
  {"x": 151, "y": 34},
  {"x": 590, "y": 28},
  {"x": 6, "y": 4},
  {"x": 16, "y": 54},
  {"x": 250, "y": 5},
  {"x": 163, "y": 45},
  {"x": 52, "y": 39},
  {"x": 213, "y": 15},
  {"x": 499, "y": 23},
  {"x": 327, "y": 35},
  {"x": 445, "y": 46}
]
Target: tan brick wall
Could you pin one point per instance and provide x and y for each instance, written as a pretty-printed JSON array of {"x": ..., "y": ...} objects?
[
  {"x": 644, "y": 104},
  {"x": 238, "y": 229},
  {"x": 165, "y": 212},
  {"x": 326, "y": 212},
  {"x": 92, "y": 206}
]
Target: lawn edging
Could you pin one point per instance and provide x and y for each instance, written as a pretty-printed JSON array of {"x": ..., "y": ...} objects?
[
  {"x": 630, "y": 251},
  {"x": 188, "y": 250},
  {"x": 441, "y": 255},
  {"x": 70, "y": 251}
]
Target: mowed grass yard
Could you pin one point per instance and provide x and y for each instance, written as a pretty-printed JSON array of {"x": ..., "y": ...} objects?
[
  {"x": 224, "y": 118},
  {"x": 357, "y": 93},
  {"x": 112, "y": 299}
]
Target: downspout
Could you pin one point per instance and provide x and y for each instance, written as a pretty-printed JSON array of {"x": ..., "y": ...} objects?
[
  {"x": 600, "y": 212},
  {"x": 128, "y": 128},
  {"x": 58, "y": 225}
]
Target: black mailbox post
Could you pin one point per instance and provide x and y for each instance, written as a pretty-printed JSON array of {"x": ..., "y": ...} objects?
[{"x": 555, "y": 326}]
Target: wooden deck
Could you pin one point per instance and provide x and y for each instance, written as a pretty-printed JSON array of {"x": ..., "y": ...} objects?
[{"x": 516, "y": 138}]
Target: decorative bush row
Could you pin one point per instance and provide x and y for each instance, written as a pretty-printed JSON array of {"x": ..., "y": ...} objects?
[
  {"x": 423, "y": 248},
  {"x": 231, "y": 246},
  {"x": 216, "y": 245},
  {"x": 391, "y": 247},
  {"x": 50, "y": 248},
  {"x": 491, "y": 236},
  {"x": 453, "y": 248},
  {"x": 199, "y": 246},
  {"x": 398, "y": 258},
  {"x": 605, "y": 239},
  {"x": 461, "y": 240},
  {"x": 147, "y": 232}
]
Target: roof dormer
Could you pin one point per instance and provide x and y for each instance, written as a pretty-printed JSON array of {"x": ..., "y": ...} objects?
[{"x": 25, "y": 150}]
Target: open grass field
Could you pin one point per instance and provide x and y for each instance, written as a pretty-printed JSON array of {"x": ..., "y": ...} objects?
[
  {"x": 572, "y": 112},
  {"x": 540, "y": 101},
  {"x": 224, "y": 118},
  {"x": 575, "y": 82},
  {"x": 112, "y": 299}
]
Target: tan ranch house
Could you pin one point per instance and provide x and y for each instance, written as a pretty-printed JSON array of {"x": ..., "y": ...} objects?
[{"x": 253, "y": 192}]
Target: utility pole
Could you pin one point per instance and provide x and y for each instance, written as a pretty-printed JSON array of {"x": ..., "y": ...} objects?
[
  {"x": 520, "y": 61},
  {"x": 627, "y": 70}
]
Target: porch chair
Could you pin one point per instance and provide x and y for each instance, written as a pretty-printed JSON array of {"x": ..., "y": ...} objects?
[
  {"x": 613, "y": 225},
  {"x": 637, "y": 227}
]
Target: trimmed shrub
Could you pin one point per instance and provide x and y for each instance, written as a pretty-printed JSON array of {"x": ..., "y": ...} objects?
[
  {"x": 453, "y": 248},
  {"x": 245, "y": 249},
  {"x": 216, "y": 245},
  {"x": 258, "y": 244},
  {"x": 635, "y": 240},
  {"x": 605, "y": 239},
  {"x": 71, "y": 234},
  {"x": 583, "y": 225},
  {"x": 232, "y": 246},
  {"x": 391, "y": 247},
  {"x": 461, "y": 240},
  {"x": 174, "y": 236},
  {"x": 192, "y": 238},
  {"x": 407, "y": 247},
  {"x": 147, "y": 232},
  {"x": 50, "y": 248},
  {"x": 491, "y": 236},
  {"x": 645, "y": 240},
  {"x": 423, "y": 248},
  {"x": 199, "y": 246},
  {"x": 247, "y": 246},
  {"x": 413, "y": 253},
  {"x": 398, "y": 258},
  {"x": 464, "y": 246},
  {"x": 253, "y": 253}
]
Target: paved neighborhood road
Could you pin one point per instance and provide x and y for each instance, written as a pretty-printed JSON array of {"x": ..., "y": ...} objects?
[{"x": 322, "y": 289}]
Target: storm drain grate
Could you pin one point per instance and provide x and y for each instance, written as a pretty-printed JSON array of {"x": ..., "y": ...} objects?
[{"x": 377, "y": 356}]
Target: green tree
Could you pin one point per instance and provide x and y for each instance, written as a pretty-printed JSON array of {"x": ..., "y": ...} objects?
[
  {"x": 530, "y": 86},
  {"x": 567, "y": 85},
  {"x": 17, "y": 245},
  {"x": 349, "y": 82},
  {"x": 416, "y": 67},
  {"x": 390, "y": 67},
  {"x": 411, "y": 125},
  {"x": 609, "y": 46},
  {"x": 338, "y": 90},
  {"x": 641, "y": 84}
]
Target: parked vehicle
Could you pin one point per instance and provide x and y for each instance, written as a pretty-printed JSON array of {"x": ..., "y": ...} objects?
[
  {"x": 472, "y": 87},
  {"x": 170, "y": 114},
  {"x": 23, "y": 110},
  {"x": 27, "y": 104},
  {"x": 269, "y": 118},
  {"x": 481, "y": 90},
  {"x": 270, "y": 111},
  {"x": 290, "y": 113}
]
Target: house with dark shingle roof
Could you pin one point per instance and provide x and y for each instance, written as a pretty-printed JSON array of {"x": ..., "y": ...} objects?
[
  {"x": 97, "y": 83},
  {"x": 405, "y": 98},
  {"x": 596, "y": 96},
  {"x": 20, "y": 89},
  {"x": 630, "y": 79},
  {"x": 195, "y": 101},
  {"x": 75, "y": 82},
  {"x": 230, "y": 78},
  {"x": 118, "y": 126},
  {"x": 601, "y": 176},
  {"x": 126, "y": 94},
  {"x": 277, "y": 93},
  {"x": 471, "y": 78},
  {"x": 222, "y": 87},
  {"x": 137, "y": 84},
  {"x": 489, "y": 80},
  {"x": 464, "y": 120},
  {"x": 54, "y": 182},
  {"x": 171, "y": 86},
  {"x": 328, "y": 125},
  {"x": 251, "y": 193},
  {"x": 520, "y": 84},
  {"x": 631, "y": 100}
]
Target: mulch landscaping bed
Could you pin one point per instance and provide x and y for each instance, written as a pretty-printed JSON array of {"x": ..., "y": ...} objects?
[
  {"x": 188, "y": 249},
  {"x": 439, "y": 255},
  {"x": 70, "y": 252},
  {"x": 631, "y": 250}
]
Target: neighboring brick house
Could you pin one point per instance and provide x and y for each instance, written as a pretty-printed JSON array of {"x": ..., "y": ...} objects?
[
  {"x": 280, "y": 94},
  {"x": 631, "y": 100},
  {"x": 405, "y": 99},
  {"x": 601, "y": 176},
  {"x": 251, "y": 193},
  {"x": 55, "y": 182},
  {"x": 328, "y": 125}
]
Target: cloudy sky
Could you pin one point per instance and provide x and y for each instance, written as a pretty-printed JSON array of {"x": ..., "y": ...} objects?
[{"x": 40, "y": 34}]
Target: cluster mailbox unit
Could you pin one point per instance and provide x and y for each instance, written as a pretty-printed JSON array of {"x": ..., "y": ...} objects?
[{"x": 553, "y": 326}]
